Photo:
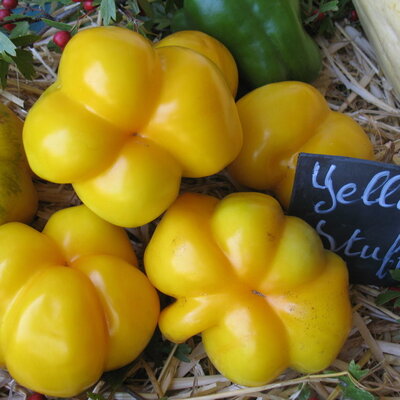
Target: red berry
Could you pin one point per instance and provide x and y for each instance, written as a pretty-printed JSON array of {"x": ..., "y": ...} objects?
[
  {"x": 9, "y": 27},
  {"x": 320, "y": 15},
  {"x": 10, "y": 4},
  {"x": 77, "y": 1},
  {"x": 61, "y": 38},
  {"x": 36, "y": 396},
  {"x": 4, "y": 12},
  {"x": 88, "y": 5},
  {"x": 353, "y": 16}
]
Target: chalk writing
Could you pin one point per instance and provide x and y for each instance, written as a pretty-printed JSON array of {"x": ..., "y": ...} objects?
[
  {"x": 382, "y": 185},
  {"x": 355, "y": 247},
  {"x": 355, "y": 207}
]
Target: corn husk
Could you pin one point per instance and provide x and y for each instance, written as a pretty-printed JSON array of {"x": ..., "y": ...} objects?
[{"x": 380, "y": 20}]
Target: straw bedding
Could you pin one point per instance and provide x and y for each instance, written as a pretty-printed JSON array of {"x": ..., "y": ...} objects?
[{"x": 352, "y": 83}]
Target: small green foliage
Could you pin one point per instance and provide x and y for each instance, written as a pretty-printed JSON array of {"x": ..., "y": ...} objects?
[
  {"x": 349, "y": 389},
  {"x": 353, "y": 392},
  {"x": 146, "y": 7},
  {"x": 304, "y": 392},
  {"x": 6, "y": 45},
  {"x": 3, "y": 72},
  {"x": 319, "y": 16},
  {"x": 392, "y": 294},
  {"x": 322, "y": 8},
  {"x": 115, "y": 378},
  {"x": 356, "y": 371},
  {"x": 151, "y": 18},
  {"x": 53, "y": 47},
  {"x": 395, "y": 273},
  {"x": 182, "y": 352},
  {"x": 26, "y": 40},
  {"x": 386, "y": 296},
  {"x": 21, "y": 29},
  {"x": 24, "y": 62},
  {"x": 59, "y": 25},
  {"x": 134, "y": 6},
  {"x": 108, "y": 11},
  {"x": 95, "y": 396},
  {"x": 20, "y": 57}
]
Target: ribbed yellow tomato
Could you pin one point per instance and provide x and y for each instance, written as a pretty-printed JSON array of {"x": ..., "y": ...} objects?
[
  {"x": 72, "y": 302},
  {"x": 281, "y": 120},
  {"x": 209, "y": 47},
  {"x": 256, "y": 284},
  {"x": 125, "y": 120}
]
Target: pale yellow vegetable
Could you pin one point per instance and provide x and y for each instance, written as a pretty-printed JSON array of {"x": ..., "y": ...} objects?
[{"x": 380, "y": 20}]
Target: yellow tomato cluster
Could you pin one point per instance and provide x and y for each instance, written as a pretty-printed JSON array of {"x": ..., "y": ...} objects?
[{"x": 124, "y": 122}]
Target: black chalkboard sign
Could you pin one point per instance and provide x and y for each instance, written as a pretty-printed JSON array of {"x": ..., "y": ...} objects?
[{"x": 355, "y": 207}]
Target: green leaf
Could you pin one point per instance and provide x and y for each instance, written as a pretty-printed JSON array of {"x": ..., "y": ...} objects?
[
  {"x": 329, "y": 6},
  {"x": 182, "y": 351},
  {"x": 41, "y": 3},
  {"x": 356, "y": 371},
  {"x": 395, "y": 273},
  {"x": 59, "y": 25},
  {"x": 115, "y": 378},
  {"x": 386, "y": 296},
  {"x": 349, "y": 389},
  {"x": 304, "y": 393},
  {"x": 53, "y": 47},
  {"x": 26, "y": 40},
  {"x": 327, "y": 27},
  {"x": 3, "y": 73},
  {"x": 163, "y": 23},
  {"x": 24, "y": 62},
  {"x": 397, "y": 303},
  {"x": 7, "y": 58},
  {"x": 134, "y": 6},
  {"x": 21, "y": 29},
  {"x": 108, "y": 11},
  {"x": 352, "y": 392},
  {"x": 15, "y": 17},
  {"x": 146, "y": 7},
  {"x": 95, "y": 396},
  {"x": 170, "y": 6},
  {"x": 6, "y": 45},
  {"x": 74, "y": 30}
]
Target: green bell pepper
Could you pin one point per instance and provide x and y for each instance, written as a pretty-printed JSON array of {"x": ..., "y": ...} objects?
[{"x": 266, "y": 37}]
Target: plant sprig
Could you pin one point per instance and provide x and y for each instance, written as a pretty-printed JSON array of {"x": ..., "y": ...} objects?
[
  {"x": 319, "y": 16},
  {"x": 152, "y": 18},
  {"x": 391, "y": 295}
]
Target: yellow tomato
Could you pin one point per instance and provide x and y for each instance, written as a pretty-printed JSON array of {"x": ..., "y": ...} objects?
[
  {"x": 281, "y": 120},
  {"x": 18, "y": 197},
  {"x": 72, "y": 302},
  {"x": 209, "y": 47},
  {"x": 256, "y": 284},
  {"x": 126, "y": 120}
]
